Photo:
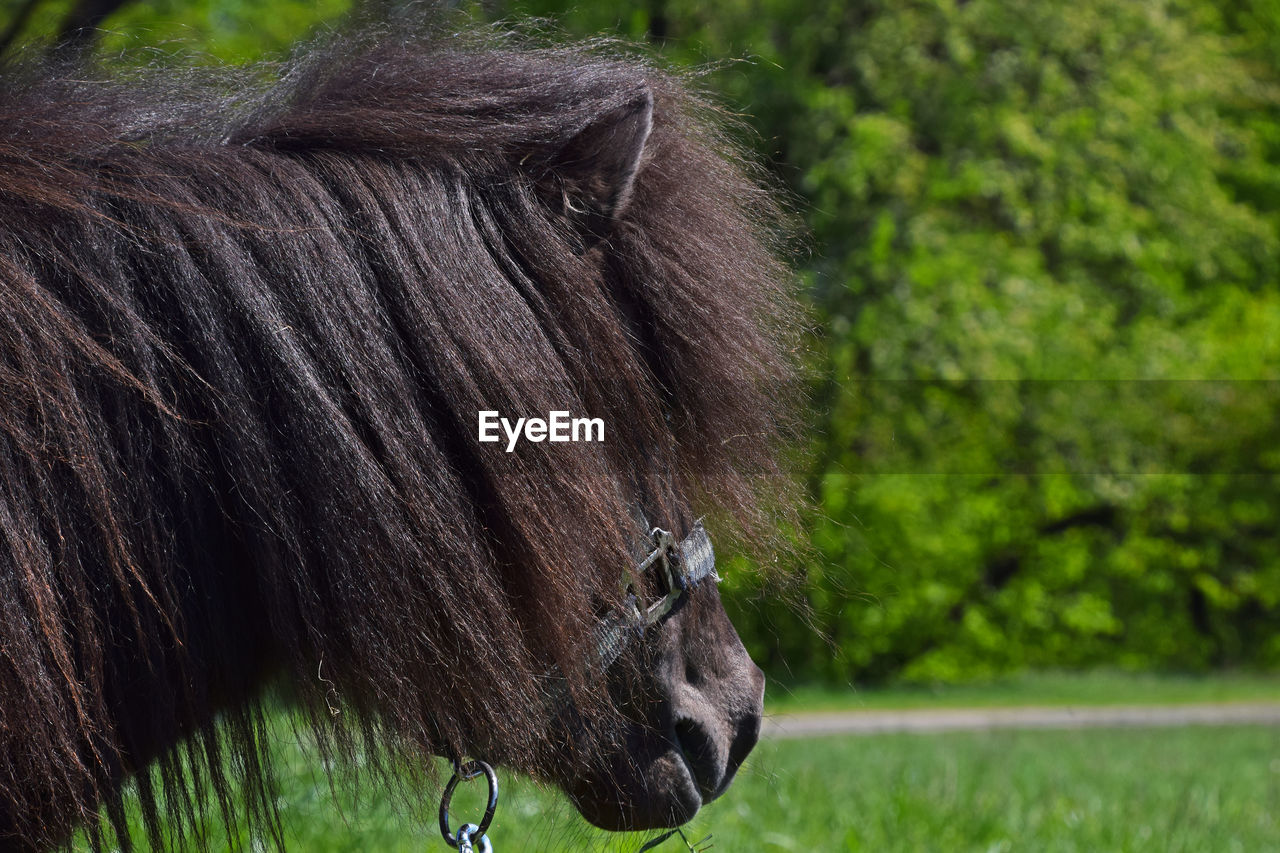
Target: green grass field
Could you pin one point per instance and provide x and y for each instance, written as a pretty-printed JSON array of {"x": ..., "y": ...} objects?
[{"x": 1193, "y": 789}]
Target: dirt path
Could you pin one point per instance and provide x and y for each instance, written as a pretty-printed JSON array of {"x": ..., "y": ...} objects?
[{"x": 984, "y": 719}]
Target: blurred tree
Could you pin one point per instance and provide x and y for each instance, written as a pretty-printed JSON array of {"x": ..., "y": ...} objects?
[
  {"x": 213, "y": 30},
  {"x": 1029, "y": 214}
]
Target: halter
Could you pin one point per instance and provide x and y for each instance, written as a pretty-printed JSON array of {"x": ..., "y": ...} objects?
[{"x": 680, "y": 568}]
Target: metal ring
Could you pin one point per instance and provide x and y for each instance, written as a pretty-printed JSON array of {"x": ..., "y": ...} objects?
[
  {"x": 468, "y": 843},
  {"x": 462, "y": 773}
]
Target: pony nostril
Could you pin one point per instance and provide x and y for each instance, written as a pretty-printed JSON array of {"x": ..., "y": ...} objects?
[
  {"x": 700, "y": 753},
  {"x": 745, "y": 736}
]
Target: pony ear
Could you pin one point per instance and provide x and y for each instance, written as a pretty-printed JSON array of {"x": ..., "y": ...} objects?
[{"x": 590, "y": 177}]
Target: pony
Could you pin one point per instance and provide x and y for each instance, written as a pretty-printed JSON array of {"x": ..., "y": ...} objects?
[{"x": 248, "y": 319}]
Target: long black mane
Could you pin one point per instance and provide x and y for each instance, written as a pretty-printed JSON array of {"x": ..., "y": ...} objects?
[{"x": 247, "y": 320}]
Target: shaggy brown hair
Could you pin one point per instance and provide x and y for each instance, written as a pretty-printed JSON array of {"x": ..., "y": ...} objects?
[{"x": 245, "y": 329}]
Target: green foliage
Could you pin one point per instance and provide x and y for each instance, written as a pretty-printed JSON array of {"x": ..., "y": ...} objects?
[
  {"x": 235, "y": 31},
  {"x": 1038, "y": 221},
  {"x": 223, "y": 30},
  {"x": 1046, "y": 249}
]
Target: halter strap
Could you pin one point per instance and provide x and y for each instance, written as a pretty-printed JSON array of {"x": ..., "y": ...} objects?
[{"x": 684, "y": 565}]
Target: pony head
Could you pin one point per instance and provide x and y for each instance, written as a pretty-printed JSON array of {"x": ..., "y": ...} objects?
[{"x": 246, "y": 331}]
